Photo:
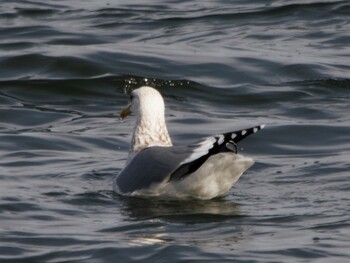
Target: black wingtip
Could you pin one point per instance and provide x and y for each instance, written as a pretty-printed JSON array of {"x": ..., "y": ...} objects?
[
  {"x": 237, "y": 136},
  {"x": 223, "y": 143}
]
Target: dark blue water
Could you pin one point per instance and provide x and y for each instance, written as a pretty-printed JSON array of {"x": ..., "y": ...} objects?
[{"x": 65, "y": 69}]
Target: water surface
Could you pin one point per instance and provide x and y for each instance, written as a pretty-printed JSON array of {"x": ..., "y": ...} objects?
[{"x": 66, "y": 69}]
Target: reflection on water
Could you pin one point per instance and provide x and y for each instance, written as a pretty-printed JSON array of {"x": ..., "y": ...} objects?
[
  {"x": 184, "y": 220},
  {"x": 185, "y": 211}
]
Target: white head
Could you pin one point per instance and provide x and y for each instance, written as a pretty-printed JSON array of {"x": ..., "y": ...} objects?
[
  {"x": 147, "y": 104},
  {"x": 150, "y": 130}
]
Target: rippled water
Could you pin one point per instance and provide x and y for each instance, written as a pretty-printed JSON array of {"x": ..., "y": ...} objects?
[{"x": 65, "y": 69}]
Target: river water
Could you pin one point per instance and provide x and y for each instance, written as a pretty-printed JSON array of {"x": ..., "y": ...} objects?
[{"x": 65, "y": 70}]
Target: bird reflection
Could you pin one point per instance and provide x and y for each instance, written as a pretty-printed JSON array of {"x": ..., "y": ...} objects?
[{"x": 186, "y": 210}]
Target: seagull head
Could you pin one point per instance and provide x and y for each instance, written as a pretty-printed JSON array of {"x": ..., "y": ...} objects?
[{"x": 146, "y": 103}]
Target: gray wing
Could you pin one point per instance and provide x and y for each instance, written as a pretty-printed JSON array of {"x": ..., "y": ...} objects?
[
  {"x": 160, "y": 164},
  {"x": 151, "y": 165}
]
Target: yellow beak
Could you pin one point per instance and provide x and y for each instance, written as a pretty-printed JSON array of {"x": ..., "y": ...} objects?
[{"x": 125, "y": 112}]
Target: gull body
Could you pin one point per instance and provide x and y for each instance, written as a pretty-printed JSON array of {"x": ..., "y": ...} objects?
[{"x": 203, "y": 170}]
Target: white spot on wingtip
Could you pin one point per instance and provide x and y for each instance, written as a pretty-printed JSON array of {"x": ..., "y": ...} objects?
[
  {"x": 233, "y": 135},
  {"x": 243, "y": 132},
  {"x": 262, "y": 126},
  {"x": 221, "y": 139},
  {"x": 255, "y": 130}
]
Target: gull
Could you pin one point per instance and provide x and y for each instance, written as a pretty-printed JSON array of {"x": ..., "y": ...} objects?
[{"x": 155, "y": 168}]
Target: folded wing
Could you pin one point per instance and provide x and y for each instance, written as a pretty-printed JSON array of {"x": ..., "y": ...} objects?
[{"x": 155, "y": 165}]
